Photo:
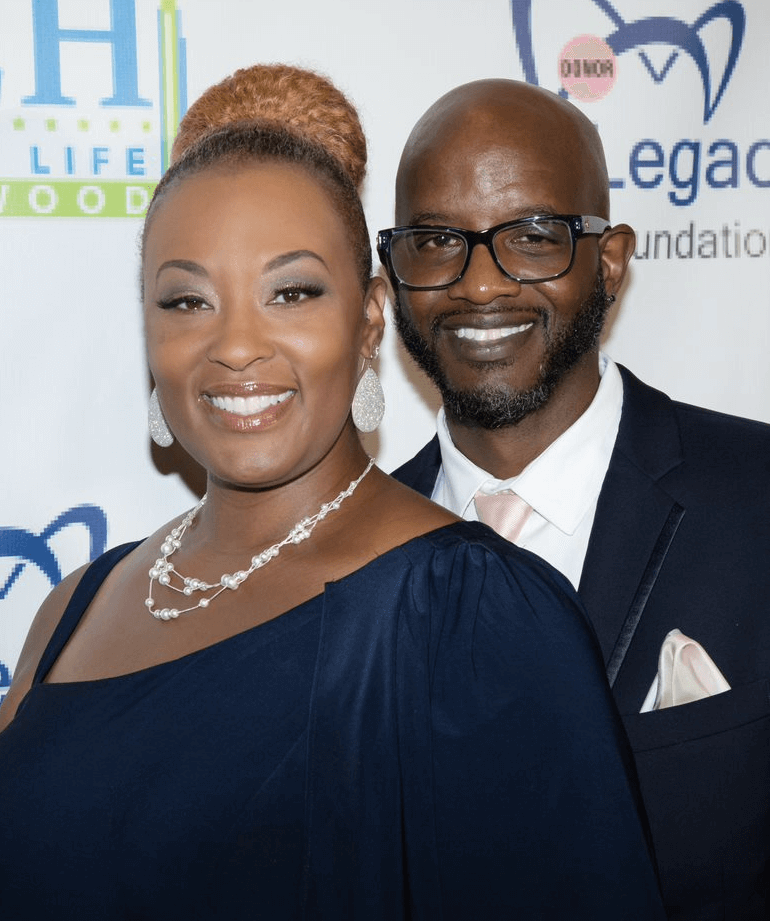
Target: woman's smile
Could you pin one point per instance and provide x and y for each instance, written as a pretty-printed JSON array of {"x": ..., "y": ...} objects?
[
  {"x": 248, "y": 406},
  {"x": 250, "y": 410}
]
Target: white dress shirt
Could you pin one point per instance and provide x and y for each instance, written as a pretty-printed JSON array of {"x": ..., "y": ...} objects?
[{"x": 562, "y": 485}]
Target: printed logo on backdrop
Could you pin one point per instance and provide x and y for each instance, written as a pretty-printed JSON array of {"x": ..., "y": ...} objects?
[
  {"x": 26, "y": 551},
  {"x": 637, "y": 37},
  {"x": 86, "y": 126},
  {"x": 590, "y": 68}
]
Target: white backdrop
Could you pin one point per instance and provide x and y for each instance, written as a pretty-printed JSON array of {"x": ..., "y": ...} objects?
[{"x": 90, "y": 93}]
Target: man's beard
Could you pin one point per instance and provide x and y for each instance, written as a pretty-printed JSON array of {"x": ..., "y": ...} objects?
[{"x": 497, "y": 406}]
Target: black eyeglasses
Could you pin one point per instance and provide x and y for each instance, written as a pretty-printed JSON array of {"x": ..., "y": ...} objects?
[{"x": 530, "y": 250}]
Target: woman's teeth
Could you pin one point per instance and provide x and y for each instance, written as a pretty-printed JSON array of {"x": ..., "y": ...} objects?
[{"x": 248, "y": 406}]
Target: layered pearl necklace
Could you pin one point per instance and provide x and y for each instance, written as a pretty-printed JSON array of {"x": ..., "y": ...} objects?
[{"x": 163, "y": 571}]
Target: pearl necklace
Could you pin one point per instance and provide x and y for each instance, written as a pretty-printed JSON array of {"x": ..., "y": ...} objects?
[{"x": 164, "y": 570}]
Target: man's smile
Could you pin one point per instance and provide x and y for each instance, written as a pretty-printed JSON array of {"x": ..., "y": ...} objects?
[
  {"x": 490, "y": 335},
  {"x": 485, "y": 336}
]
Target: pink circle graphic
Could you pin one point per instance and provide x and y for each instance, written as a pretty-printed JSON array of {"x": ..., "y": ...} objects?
[{"x": 587, "y": 68}]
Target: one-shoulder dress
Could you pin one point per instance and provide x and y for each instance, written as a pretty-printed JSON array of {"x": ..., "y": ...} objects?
[{"x": 430, "y": 738}]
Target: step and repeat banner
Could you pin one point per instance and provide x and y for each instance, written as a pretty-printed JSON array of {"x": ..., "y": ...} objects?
[{"x": 91, "y": 92}]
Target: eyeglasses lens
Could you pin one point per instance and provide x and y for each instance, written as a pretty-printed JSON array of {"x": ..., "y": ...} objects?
[
  {"x": 536, "y": 250},
  {"x": 530, "y": 251},
  {"x": 427, "y": 258}
]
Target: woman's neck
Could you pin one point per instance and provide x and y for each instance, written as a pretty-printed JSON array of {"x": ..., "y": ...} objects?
[{"x": 236, "y": 518}]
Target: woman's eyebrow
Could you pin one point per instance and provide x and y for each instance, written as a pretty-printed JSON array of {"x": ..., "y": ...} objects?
[
  {"x": 286, "y": 258},
  {"x": 186, "y": 264},
  {"x": 277, "y": 262}
]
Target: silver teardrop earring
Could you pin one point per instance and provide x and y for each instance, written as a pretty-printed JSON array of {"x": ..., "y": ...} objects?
[
  {"x": 159, "y": 430},
  {"x": 369, "y": 401}
]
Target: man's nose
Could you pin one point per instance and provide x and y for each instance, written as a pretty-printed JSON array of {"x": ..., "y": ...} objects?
[{"x": 483, "y": 280}]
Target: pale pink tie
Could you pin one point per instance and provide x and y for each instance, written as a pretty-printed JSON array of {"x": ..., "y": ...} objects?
[{"x": 504, "y": 512}]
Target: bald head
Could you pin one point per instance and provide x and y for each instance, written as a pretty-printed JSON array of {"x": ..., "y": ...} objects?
[{"x": 489, "y": 121}]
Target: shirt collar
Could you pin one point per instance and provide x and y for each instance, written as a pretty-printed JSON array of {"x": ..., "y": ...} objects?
[{"x": 563, "y": 482}]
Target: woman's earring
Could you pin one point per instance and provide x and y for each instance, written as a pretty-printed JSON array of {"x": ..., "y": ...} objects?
[
  {"x": 369, "y": 401},
  {"x": 159, "y": 430}
]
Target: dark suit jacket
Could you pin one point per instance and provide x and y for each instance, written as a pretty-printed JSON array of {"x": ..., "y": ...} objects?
[{"x": 681, "y": 539}]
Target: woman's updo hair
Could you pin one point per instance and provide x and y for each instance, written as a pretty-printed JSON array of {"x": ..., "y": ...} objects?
[
  {"x": 287, "y": 97},
  {"x": 277, "y": 113}
]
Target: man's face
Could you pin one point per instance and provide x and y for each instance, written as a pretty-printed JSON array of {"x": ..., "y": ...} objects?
[{"x": 499, "y": 350}]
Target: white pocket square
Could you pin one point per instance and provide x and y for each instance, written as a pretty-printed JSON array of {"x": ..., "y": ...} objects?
[{"x": 686, "y": 673}]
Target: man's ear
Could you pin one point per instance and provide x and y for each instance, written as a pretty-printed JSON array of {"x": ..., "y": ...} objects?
[
  {"x": 616, "y": 247},
  {"x": 374, "y": 315}
]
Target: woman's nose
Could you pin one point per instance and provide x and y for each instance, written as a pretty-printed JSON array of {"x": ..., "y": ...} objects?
[{"x": 241, "y": 337}]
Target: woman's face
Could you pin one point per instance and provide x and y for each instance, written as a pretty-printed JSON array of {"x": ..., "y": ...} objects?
[{"x": 255, "y": 321}]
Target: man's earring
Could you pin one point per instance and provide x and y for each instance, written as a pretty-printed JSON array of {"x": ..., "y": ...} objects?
[
  {"x": 369, "y": 401},
  {"x": 159, "y": 430}
]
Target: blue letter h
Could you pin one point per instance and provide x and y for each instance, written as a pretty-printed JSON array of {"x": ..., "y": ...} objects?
[{"x": 48, "y": 36}]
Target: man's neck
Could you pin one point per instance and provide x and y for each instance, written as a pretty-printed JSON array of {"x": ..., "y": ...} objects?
[{"x": 505, "y": 452}]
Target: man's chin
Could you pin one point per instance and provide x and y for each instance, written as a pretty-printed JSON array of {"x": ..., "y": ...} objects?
[
  {"x": 493, "y": 409},
  {"x": 481, "y": 403}
]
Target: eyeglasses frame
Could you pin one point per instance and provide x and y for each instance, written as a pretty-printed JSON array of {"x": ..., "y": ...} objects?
[{"x": 579, "y": 225}]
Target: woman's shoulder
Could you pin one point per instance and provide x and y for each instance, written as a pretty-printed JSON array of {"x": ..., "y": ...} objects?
[
  {"x": 43, "y": 625},
  {"x": 463, "y": 579},
  {"x": 87, "y": 578},
  {"x": 411, "y": 525},
  {"x": 476, "y": 550}
]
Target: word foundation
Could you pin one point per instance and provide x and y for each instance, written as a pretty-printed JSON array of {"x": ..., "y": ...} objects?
[{"x": 729, "y": 241}]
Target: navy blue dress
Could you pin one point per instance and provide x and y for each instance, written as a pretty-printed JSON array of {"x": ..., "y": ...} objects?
[{"x": 430, "y": 738}]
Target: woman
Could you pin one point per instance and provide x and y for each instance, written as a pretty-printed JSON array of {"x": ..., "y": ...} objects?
[{"x": 317, "y": 694}]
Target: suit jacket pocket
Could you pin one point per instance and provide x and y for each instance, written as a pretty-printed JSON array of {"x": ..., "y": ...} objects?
[
  {"x": 700, "y": 719},
  {"x": 704, "y": 771}
]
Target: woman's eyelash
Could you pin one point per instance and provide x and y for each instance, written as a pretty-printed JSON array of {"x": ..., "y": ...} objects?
[
  {"x": 294, "y": 293},
  {"x": 184, "y": 302},
  {"x": 290, "y": 293}
]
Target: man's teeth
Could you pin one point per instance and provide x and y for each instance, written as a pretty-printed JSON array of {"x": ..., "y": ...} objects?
[
  {"x": 490, "y": 335},
  {"x": 249, "y": 406}
]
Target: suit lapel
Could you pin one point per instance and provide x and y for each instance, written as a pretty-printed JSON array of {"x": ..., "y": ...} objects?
[
  {"x": 633, "y": 529},
  {"x": 636, "y": 521},
  {"x": 421, "y": 471}
]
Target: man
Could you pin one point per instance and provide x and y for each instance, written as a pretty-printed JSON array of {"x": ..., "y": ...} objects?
[{"x": 659, "y": 513}]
